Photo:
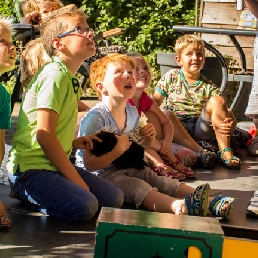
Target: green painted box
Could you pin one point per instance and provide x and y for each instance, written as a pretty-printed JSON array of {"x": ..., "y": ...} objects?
[{"x": 132, "y": 233}]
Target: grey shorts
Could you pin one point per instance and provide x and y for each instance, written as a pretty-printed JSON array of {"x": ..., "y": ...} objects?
[
  {"x": 136, "y": 184},
  {"x": 199, "y": 127}
]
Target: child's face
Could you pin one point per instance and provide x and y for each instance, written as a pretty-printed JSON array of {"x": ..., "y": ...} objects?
[
  {"x": 192, "y": 59},
  {"x": 142, "y": 74},
  {"x": 7, "y": 52},
  {"x": 45, "y": 8},
  {"x": 119, "y": 81},
  {"x": 78, "y": 43}
]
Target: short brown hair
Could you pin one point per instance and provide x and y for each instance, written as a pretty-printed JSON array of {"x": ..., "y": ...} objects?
[
  {"x": 186, "y": 40},
  {"x": 56, "y": 23},
  {"x": 6, "y": 24},
  {"x": 98, "y": 68},
  {"x": 33, "y": 57},
  {"x": 33, "y": 5}
]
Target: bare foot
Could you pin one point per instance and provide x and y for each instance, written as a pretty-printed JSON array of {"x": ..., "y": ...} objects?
[{"x": 165, "y": 170}]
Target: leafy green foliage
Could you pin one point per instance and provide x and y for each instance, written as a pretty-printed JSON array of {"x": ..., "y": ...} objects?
[
  {"x": 148, "y": 24},
  {"x": 7, "y": 8}
]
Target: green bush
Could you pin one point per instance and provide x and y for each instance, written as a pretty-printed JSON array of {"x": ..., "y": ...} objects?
[
  {"x": 148, "y": 24},
  {"x": 7, "y": 8}
]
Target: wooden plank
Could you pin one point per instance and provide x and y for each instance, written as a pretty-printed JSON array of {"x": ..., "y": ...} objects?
[
  {"x": 225, "y": 1},
  {"x": 224, "y": 40},
  {"x": 220, "y": 13},
  {"x": 232, "y": 52}
]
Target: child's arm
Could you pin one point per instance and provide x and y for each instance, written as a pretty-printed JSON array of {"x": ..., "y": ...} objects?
[
  {"x": 148, "y": 133},
  {"x": 92, "y": 162},
  {"x": 85, "y": 142},
  {"x": 31, "y": 18},
  {"x": 47, "y": 138},
  {"x": 167, "y": 126},
  {"x": 82, "y": 106},
  {"x": 2, "y": 145},
  {"x": 157, "y": 97}
]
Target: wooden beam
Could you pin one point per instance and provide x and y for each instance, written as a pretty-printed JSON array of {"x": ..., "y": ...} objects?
[{"x": 220, "y": 13}]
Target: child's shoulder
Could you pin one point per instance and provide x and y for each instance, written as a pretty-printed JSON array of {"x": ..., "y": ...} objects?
[
  {"x": 173, "y": 73},
  {"x": 208, "y": 83}
]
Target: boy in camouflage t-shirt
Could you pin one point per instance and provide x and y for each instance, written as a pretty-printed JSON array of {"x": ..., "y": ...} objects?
[{"x": 196, "y": 101}]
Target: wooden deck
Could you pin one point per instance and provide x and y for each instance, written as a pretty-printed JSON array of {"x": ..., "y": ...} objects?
[{"x": 36, "y": 235}]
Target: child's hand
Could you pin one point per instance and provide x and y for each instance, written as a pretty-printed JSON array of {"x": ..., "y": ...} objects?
[
  {"x": 227, "y": 127},
  {"x": 32, "y": 18},
  {"x": 85, "y": 142},
  {"x": 165, "y": 148},
  {"x": 123, "y": 142},
  {"x": 148, "y": 131}
]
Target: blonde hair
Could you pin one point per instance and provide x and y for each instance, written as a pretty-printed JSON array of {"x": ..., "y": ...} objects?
[
  {"x": 32, "y": 59},
  {"x": 186, "y": 40},
  {"x": 56, "y": 23},
  {"x": 98, "y": 69},
  {"x": 33, "y": 5},
  {"x": 136, "y": 54},
  {"x": 6, "y": 24}
]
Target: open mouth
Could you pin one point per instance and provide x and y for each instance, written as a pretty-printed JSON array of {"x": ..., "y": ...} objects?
[
  {"x": 128, "y": 87},
  {"x": 12, "y": 57}
]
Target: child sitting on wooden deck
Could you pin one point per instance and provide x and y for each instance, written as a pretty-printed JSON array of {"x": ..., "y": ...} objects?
[
  {"x": 196, "y": 101},
  {"x": 112, "y": 78}
]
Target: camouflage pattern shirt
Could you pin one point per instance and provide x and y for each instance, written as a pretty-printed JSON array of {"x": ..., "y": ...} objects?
[{"x": 183, "y": 98}]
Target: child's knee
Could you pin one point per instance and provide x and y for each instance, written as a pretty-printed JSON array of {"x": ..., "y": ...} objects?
[
  {"x": 85, "y": 209},
  {"x": 217, "y": 100},
  {"x": 117, "y": 200}
]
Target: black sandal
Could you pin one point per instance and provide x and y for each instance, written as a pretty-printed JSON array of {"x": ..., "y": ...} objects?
[{"x": 207, "y": 157}]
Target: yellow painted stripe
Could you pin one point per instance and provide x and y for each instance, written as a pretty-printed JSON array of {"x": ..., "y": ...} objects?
[
  {"x": 239, "y": 248},
  {"x": 232, "y": 248}
]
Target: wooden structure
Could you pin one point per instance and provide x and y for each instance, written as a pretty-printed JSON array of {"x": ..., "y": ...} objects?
[
  {"x": 224, "y": 14},
  {"x": 134, "y": 233}
]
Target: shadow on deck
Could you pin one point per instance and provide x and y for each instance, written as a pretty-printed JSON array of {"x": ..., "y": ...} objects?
[{"x": 35, "y": 235}]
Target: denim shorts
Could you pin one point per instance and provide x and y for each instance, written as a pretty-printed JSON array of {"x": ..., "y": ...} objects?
[{"x": 199, "y": 127}]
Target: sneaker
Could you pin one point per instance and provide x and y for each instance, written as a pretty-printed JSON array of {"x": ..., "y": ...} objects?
[
  {"x": 252, "y": 208},
  {"x": 253, "y": 147}
]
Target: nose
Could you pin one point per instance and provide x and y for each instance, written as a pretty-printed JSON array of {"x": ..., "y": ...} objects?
[
  {"x": 128, "y": 74},
  {"x": 91, "y": 34},
  {"x": 12, "y": 47},
  {"x": 194, "y": 56}
]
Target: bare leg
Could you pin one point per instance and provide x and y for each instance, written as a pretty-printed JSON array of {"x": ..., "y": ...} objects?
[
  {"x": 217, "y": 111},
  {"x": 170, "y": 158},
  {"x": 181, "y": 136},
  {"x": 156, "y": 201},
  {"x": 152, "y": 118}
]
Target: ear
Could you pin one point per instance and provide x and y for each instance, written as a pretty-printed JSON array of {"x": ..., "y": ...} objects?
[
  {"x": 57, "y": 44},
  {"x": 100, "y": 88},
  {"x": 178, "y": 60}
]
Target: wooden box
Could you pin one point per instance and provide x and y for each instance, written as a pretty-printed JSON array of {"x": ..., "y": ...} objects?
[{"x": 132, "y": 233}]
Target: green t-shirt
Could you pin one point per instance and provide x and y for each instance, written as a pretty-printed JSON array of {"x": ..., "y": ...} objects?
[
  {"x": 5, "y": 108},
  {"x": 53, "y": 87}
]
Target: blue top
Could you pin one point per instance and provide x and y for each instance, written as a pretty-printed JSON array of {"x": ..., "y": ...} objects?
[{"x": 100, "y": 118}]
